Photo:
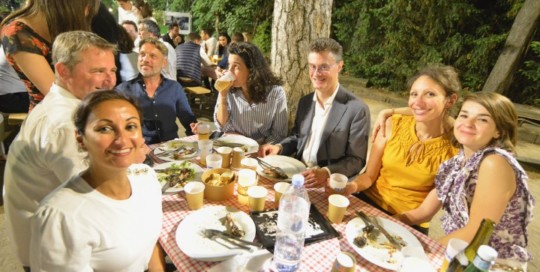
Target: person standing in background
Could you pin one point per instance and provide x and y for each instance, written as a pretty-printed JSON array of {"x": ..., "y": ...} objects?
[
  {"x": 132, "y": 30},
  {"x": 127, "y": 12},
  {"x": 27, "y": 35}
]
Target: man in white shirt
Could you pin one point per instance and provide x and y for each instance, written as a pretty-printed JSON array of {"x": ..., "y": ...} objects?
[
  {"x": 149, "y": 29},
  {"x": 330, "y": 133},
  {"x": 45, "y": 152},
  {"x": 208, "y": 49}
]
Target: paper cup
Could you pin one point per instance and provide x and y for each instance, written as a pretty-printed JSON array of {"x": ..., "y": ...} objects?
[
  {"x": 194, "y": 194},
  {"x": 213, "y": 161},
  {"x": 338, "y": 182},
  {"x": 203, "y": 131},
  {"x": 205, "y": 149},
  {"x": 249, "y": 163},
  {"x": 246, "y": 178},
  {"x": 225, "y": 153},
  {"x": 337, "y": 206},
  {"x": 345, "y": 262},
  {"x": 279, "y": 189},
  {"x": 237, "y": 156},
  {"x": 257, "y": 197}
]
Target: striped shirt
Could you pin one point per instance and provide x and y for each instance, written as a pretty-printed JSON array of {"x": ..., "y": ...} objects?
[
  {"x": 263, "y": 122},
  {"x": 188, "y": 61}
]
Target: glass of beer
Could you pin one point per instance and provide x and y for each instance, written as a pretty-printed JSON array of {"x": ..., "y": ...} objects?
[
  {"x": 224, "y": 81},
  {"x": 203, "y": 130}
]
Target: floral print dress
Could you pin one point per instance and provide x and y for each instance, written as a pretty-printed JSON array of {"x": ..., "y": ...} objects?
[
  {"x": 456, "y": 183},
  {"x": 18, "y": 37}
]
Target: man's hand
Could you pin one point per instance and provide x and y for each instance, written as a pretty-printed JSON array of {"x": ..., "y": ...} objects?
[
  {"x": 315, "y": 178},
  {"x": 193, "y": 127},
  {"x": 380, "y": 123},
  {"x": 269, "y": 149}
]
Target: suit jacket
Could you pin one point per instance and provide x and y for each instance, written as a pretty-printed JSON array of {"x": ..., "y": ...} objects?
[
  {"x": 167, "y": 38},
  {"x": 344, "y": 140}
]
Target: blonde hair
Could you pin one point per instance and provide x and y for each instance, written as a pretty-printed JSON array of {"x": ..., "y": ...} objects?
[
  {"x": 504, "y": 115},
  {"x": 157, "y": 43}
]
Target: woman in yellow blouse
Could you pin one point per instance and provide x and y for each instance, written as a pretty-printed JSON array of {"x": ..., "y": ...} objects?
[{"x": 402, "y": 165}]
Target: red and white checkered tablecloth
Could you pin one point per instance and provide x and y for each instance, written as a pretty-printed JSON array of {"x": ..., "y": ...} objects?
[{"x": 319, "y": 256}]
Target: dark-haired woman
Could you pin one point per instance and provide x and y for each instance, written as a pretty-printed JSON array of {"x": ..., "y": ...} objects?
[
  {"x": 107, "y": 218},
  {"x": 255, "y": 106}
]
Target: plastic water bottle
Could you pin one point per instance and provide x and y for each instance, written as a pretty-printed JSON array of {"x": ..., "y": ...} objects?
[{"x": 292, "y": 222}]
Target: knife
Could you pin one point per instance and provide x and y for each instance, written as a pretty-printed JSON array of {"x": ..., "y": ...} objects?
[{"x": 375, "y": 222}]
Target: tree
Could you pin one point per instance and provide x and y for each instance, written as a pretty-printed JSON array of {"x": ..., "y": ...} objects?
[
  {"x": 295, "y": 25},
  {"x": 518, "y": 40}
]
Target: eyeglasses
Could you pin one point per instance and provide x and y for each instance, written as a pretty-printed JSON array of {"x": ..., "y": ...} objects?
[{"x": 321, "y": 68}]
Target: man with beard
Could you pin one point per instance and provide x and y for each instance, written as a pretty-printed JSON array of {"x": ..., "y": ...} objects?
[{"x": 162, "y": 100}]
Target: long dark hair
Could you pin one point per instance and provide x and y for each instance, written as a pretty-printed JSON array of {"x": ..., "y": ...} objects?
[
  {"x": 260, "y": 79},
  {"x": 61, "y": 15}
]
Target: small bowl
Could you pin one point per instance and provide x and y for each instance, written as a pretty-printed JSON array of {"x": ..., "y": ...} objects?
[{"x": 218, "y": 192}]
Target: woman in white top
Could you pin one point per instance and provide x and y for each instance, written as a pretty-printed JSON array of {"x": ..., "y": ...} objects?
[{"x": 107, "y": 218}]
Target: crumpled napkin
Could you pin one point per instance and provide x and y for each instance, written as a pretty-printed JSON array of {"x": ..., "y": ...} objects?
[{"x": 247, "y": 262}]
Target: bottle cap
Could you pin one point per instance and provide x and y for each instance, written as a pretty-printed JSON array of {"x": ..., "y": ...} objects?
[
  {"x": 487, "y": 253},
  {"x": 297, "y": 180}
]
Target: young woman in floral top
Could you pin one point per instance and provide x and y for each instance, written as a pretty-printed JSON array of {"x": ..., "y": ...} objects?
[
  {"x": 28, "y": 33},
  {"x": 483, "y": 181}
]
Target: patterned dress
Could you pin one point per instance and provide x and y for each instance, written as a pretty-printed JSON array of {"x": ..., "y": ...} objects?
[
  {"x": 456, "y": 183},
  {"x": 18, "y": 37}
]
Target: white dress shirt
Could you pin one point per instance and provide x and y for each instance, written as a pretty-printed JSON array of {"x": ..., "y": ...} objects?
[
  {"x": 317, "y": 127},
  {"x": 43, "y": 156}
]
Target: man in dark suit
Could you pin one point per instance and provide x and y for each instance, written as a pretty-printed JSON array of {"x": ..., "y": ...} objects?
[{"x": 331, "y": 129}]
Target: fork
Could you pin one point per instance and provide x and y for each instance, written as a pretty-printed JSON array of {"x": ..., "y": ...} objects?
[
  {"x": 277, "y": 170},
  {"x": 212, "y": 234}
]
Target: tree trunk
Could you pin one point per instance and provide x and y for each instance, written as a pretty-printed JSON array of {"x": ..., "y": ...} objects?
[
  {"x": 518, "y": 40},
  {"x": 295, "y": 25}
]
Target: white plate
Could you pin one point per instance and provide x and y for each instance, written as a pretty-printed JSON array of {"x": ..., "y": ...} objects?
[
  {"x": 172, "y": 145},
  {"x": 289, "y": 165},
  {"x": 378, "y": 256},
  {"x": 251, "y": 145},
  {"x": 197, "y": 177},
  {"x": 194, "y": 245}
]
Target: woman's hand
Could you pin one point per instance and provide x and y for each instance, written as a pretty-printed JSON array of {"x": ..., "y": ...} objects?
[{"x": 193, "y": 127}]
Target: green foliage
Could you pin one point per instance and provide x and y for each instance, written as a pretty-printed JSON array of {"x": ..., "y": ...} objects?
[
  {"x": 387, "y": 41},
  {"x": 529, "y": 76}
]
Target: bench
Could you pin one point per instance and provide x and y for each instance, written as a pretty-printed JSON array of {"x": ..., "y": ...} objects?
[{"x": 527, "y": 114}]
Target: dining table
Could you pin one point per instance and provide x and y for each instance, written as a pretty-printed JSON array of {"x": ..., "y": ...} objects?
[{"x": 319, "y": 256}]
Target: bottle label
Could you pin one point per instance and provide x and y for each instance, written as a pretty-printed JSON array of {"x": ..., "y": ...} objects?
[{"x": 481, "y": 264}]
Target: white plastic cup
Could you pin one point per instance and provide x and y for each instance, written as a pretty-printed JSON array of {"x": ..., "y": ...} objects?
[
  {"x": 205, "y": 149},
  {"x": 203, "y": 131},
  {"x": 246, "y": 178},
  {"x": 214, "y": 161},
  {"x": 338, "y": 182},
  {"x": 225, "y": 81}
]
